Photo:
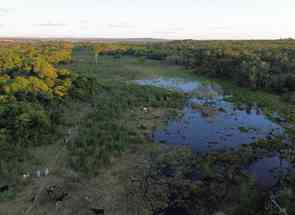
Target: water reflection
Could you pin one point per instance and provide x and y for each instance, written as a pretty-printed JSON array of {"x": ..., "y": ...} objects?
[
  {"x": 217, "y": 125},
  {"x": 268, "y": 171},
  {"x": 208, "y": 122}
]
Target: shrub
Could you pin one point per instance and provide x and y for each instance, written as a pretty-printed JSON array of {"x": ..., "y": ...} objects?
[{"x": 26, "y": 124}]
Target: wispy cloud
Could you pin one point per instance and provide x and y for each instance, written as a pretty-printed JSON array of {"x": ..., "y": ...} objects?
[
  {"x": 4, "y": 11},
  {"x": 50, "y": 24},
  {"x": 84, "y": 28},
  {"x": 177, "y": 29},
  {"x": 169, "y": 30},
  {"x": 84, "y": 21},
  {"x": 121, "y": 25},
  {"x": 221, "y": 27},
  {"x": 84, "y": 24}
]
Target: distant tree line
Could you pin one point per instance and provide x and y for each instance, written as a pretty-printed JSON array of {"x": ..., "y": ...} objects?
[{"x": 255, "y": 64}]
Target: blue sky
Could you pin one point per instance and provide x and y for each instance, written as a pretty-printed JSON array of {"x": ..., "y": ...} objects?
[{"x": 172, "y": 19}]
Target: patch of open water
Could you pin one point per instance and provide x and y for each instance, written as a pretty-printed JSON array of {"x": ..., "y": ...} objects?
[
  {"x": 214, "y": 125},
  {"x": 269, "y": 170},
  {"x": 208, "y": 123}
]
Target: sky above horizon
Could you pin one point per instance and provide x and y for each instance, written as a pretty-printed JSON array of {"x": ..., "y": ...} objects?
[{"x": 171, "y": 19}]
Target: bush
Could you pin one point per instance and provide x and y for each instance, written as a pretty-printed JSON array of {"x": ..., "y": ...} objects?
[
  {"x": 83, "y": 88},
  {"x": 26, "y": 124},
  {"x": 96, "y": 145}
]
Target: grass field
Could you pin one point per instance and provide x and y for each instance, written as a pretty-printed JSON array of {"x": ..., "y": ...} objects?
[{"x": 125, "y": 68}]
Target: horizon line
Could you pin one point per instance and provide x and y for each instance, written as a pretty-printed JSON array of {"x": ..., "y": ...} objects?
[{"x": 136, "y": 38}]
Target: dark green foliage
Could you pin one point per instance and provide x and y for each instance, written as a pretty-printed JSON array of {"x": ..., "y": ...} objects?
[
  {"x": 7, "y": 195},
  {"x": 32, "y": 90},
  {"x": 177, "y": 180},
  {"x": 12, "y": 157},
  {"x": 104, "y": 133},
  {"x": 25, "y": 123},
  {"x": 83, "y": 88},
  {"x": 96, "y": 145},
  {"x": 254, "y": 64}
]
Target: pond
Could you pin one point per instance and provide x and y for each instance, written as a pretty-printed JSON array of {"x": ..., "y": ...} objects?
[
  {"x": 269, "y": 170},
  {"x": 208, "y": 122}
]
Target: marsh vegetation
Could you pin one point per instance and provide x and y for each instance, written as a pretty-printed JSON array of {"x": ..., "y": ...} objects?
[{"x": 170, "y": 128}]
